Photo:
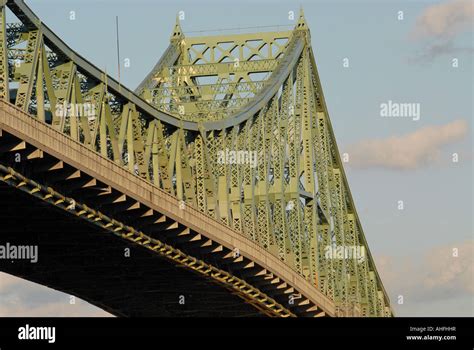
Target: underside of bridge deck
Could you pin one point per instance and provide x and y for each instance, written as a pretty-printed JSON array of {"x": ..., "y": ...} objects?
[{"x": 79, "y": 258}]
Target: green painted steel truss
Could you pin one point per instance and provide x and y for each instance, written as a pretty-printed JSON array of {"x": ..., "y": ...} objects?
[{"x": 235, "y": 126}]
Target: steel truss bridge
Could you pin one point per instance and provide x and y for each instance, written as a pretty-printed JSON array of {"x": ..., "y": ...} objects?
[{"x": 135, "y": 211}]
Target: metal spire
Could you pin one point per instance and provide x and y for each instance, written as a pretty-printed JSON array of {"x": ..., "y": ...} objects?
[
  {"x": 301, "y": 21},
  {"x": 177, "y": 31}
]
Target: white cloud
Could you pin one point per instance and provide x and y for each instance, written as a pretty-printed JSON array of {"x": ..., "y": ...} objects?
[
  {"x": 21, "y": 298},
  {"x": 410, "y": 151},
  {"x": 435, "y": 278},
  {"x": 439, "y": 25},
  {"x": 445, "y": 20}
]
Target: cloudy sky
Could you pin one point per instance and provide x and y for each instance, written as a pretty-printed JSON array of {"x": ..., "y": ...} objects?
[{"x": 369, "y": 53}]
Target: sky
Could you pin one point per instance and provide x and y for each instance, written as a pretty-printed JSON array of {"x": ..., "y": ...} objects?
[{"x": 368, "y": 53}]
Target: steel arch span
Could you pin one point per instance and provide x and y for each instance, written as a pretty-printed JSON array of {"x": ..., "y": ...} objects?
[{"x": 219, "y": 177}]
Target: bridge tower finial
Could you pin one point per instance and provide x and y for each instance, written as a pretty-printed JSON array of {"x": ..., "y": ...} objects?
[
  {"x": 301, "y": 25},
  {"x": 177, "y": 31}
]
